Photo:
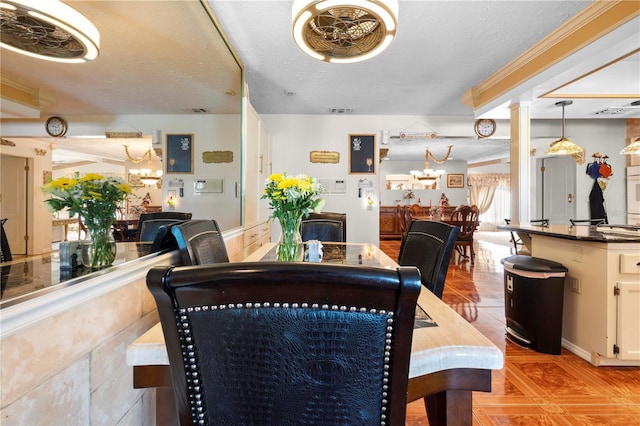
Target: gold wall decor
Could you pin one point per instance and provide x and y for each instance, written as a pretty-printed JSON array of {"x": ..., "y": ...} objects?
[
  {"x": 332, "y": 157},
  {"x": 123, "y": 135},
  {"x": 217, "y": 157}
]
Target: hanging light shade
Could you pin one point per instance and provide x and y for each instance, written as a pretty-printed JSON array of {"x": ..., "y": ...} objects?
[
  {"x": 632, "y": 148},
  {"x": 563, "y": 146},
  {"x": 47, "y": 29},
  {"x": 342, "y": 31},
  {"x": 147, "y": 176}
]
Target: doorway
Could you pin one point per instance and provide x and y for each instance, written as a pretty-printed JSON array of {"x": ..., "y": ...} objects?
[
  {"x": 13, "y": 188},
  {"x": 556, "y": 192}
]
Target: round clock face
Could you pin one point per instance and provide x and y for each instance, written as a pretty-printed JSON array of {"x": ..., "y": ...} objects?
[
  {"x": 485, "y": 127},
  {"x": 56, "y": 126}
]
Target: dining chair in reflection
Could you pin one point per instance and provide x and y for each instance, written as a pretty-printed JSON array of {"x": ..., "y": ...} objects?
[
  {"x": 276, "y": 343},
  {"x": 148, "y": 223},
  {"x": 466, "y": 218},
  {"x": 596, "y": 222},
  {"x": 428, "y": 245},
  {"x": 200, "y": 242},
  {"x": 325, "y": 226}
]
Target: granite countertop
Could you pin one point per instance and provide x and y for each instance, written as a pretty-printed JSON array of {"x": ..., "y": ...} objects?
[
  {"x": 600, "y": 233},
  {"x": 30, "y": 277}
]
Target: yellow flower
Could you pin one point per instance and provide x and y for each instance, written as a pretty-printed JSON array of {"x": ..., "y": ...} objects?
[
  {"x": 124, "y": 187},
  {"x": 62, "y": 183},
  {"x": 276, "y": 177},
  {"x": 91, "y": 176}
]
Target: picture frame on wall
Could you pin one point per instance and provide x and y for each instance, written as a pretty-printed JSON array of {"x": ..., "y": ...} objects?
[
  {"x": 179, "y": 153},
  {"x": 134, "y": 181},
  {"x": 362, "y": 149},
  {"x": 455, "y": 180}
]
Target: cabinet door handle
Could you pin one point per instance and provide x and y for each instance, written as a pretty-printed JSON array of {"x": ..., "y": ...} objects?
[{"x": 570, "y": 198}]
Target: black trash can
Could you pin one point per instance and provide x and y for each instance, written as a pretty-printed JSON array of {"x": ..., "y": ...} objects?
[{"x": 533, "y": 297}]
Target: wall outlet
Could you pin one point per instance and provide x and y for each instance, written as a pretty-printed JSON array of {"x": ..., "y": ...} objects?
[{"x": 576, "y": 285}]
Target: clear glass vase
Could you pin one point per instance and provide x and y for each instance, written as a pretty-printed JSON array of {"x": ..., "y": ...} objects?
[
  {"x": 290, "y": 242},
  {"x": 99, "y": 249}
]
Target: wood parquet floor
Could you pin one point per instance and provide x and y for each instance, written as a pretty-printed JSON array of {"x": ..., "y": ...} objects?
[{"x": 532, "y": 388}]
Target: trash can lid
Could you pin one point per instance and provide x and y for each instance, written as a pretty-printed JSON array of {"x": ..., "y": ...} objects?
[{"x": 534, "y": 264}]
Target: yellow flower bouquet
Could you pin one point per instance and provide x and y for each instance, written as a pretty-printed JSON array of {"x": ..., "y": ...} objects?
[
  {"x": 94, "y": 198},
  {"x": 291, "y": 198}
]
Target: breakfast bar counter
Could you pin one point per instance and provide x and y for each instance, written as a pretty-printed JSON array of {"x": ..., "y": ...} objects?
[{"x": 601, "y": 305}]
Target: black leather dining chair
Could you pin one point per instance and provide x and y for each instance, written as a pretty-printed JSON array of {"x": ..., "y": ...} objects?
[
  {"x": 282, "y": 343},
  {"x": 200, "y": 242},
  {"x": 428, "y": 245},
  {"x": 148, "y": 223},
  {"x": 326, "y": 226}
]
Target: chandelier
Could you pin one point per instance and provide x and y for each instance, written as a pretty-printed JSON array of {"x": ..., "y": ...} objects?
[
  {"x": 47, "y": 29},
  {"x": 429, "y": 176},
  {"x": 564, "y": 146},
  {"x": 147, "y": 176},
  {"x": 632, "y": 148},
  {"x": 342, "y": 31}
]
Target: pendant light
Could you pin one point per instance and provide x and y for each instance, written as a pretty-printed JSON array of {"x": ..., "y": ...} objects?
[
  {"x": 343, "y": 31},
  {"x": 48, "y": 29},
  {"x": 563, "y": 146},
  {"x": 147, "y": 176},
  {"x": 632, "y": 148}
]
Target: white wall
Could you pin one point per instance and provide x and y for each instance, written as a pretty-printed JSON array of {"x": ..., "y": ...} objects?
[
  {"x": 604, "y": 136},
  {"x": 211, "y": 133},
  {"x": 294, "y": 136}
]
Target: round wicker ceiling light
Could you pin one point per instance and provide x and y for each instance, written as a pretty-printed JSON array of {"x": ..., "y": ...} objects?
[
  {"x": 344, "y": 31},
  {"x": 48, "y": 30}
]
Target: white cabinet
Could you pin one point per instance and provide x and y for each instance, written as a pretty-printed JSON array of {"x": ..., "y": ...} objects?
[
  {"x": 601, "y": 312},
  {"x": 257, "y": 167},
  {"x": 255, "y": 237}
]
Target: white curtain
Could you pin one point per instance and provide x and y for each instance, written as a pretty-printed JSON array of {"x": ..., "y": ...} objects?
[{"x": 482, "y": 193}]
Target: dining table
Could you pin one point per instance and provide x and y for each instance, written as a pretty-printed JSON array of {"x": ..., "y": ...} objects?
[{"x": 450, "y": 359}]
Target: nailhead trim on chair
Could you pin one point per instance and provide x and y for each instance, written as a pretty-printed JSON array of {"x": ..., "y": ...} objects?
[{"x": 191, "y": 367}]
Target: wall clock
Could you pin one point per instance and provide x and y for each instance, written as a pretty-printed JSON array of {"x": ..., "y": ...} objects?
[
  {"x": 485, "y": 127},
  {"x": 56, "y": 126}
]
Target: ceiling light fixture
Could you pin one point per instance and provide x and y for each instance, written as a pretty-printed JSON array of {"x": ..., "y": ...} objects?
[
  {"x": 147, "y": 176},
  {"x": 632, "y": 148},
  {"x": 428, "y": 176},
  {"x": 49, "y": 30},
  {"x": 344, "y": 31},
  {"x": 563, "y": 146}
]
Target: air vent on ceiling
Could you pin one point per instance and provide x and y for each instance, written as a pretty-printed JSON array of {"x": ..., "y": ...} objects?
[
  {"x": 197, "y": 110},
  {"x": 633, "y": 106},
  {"x": 341, "y": 110}
]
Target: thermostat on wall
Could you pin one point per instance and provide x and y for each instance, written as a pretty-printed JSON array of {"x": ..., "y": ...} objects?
[{"x": 208, "y": 186}]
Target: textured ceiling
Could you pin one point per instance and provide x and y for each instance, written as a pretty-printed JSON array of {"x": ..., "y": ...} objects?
[{"x": 162, "y": 57}]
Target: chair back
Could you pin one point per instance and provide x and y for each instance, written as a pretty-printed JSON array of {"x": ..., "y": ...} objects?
[
  {"x": 149, "y": 228},
  {"x": 156, "y": 216},
  {"x": 200, "y": 242},
  {"x": 428, "y": 245},
  {"x": 587, "y": 221},
  {"x": 326, "y": 226},
  {"x": 276, "y": 343},
  {"x": 164, "y": 239},
  {"x": 467, "y": 218}
]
